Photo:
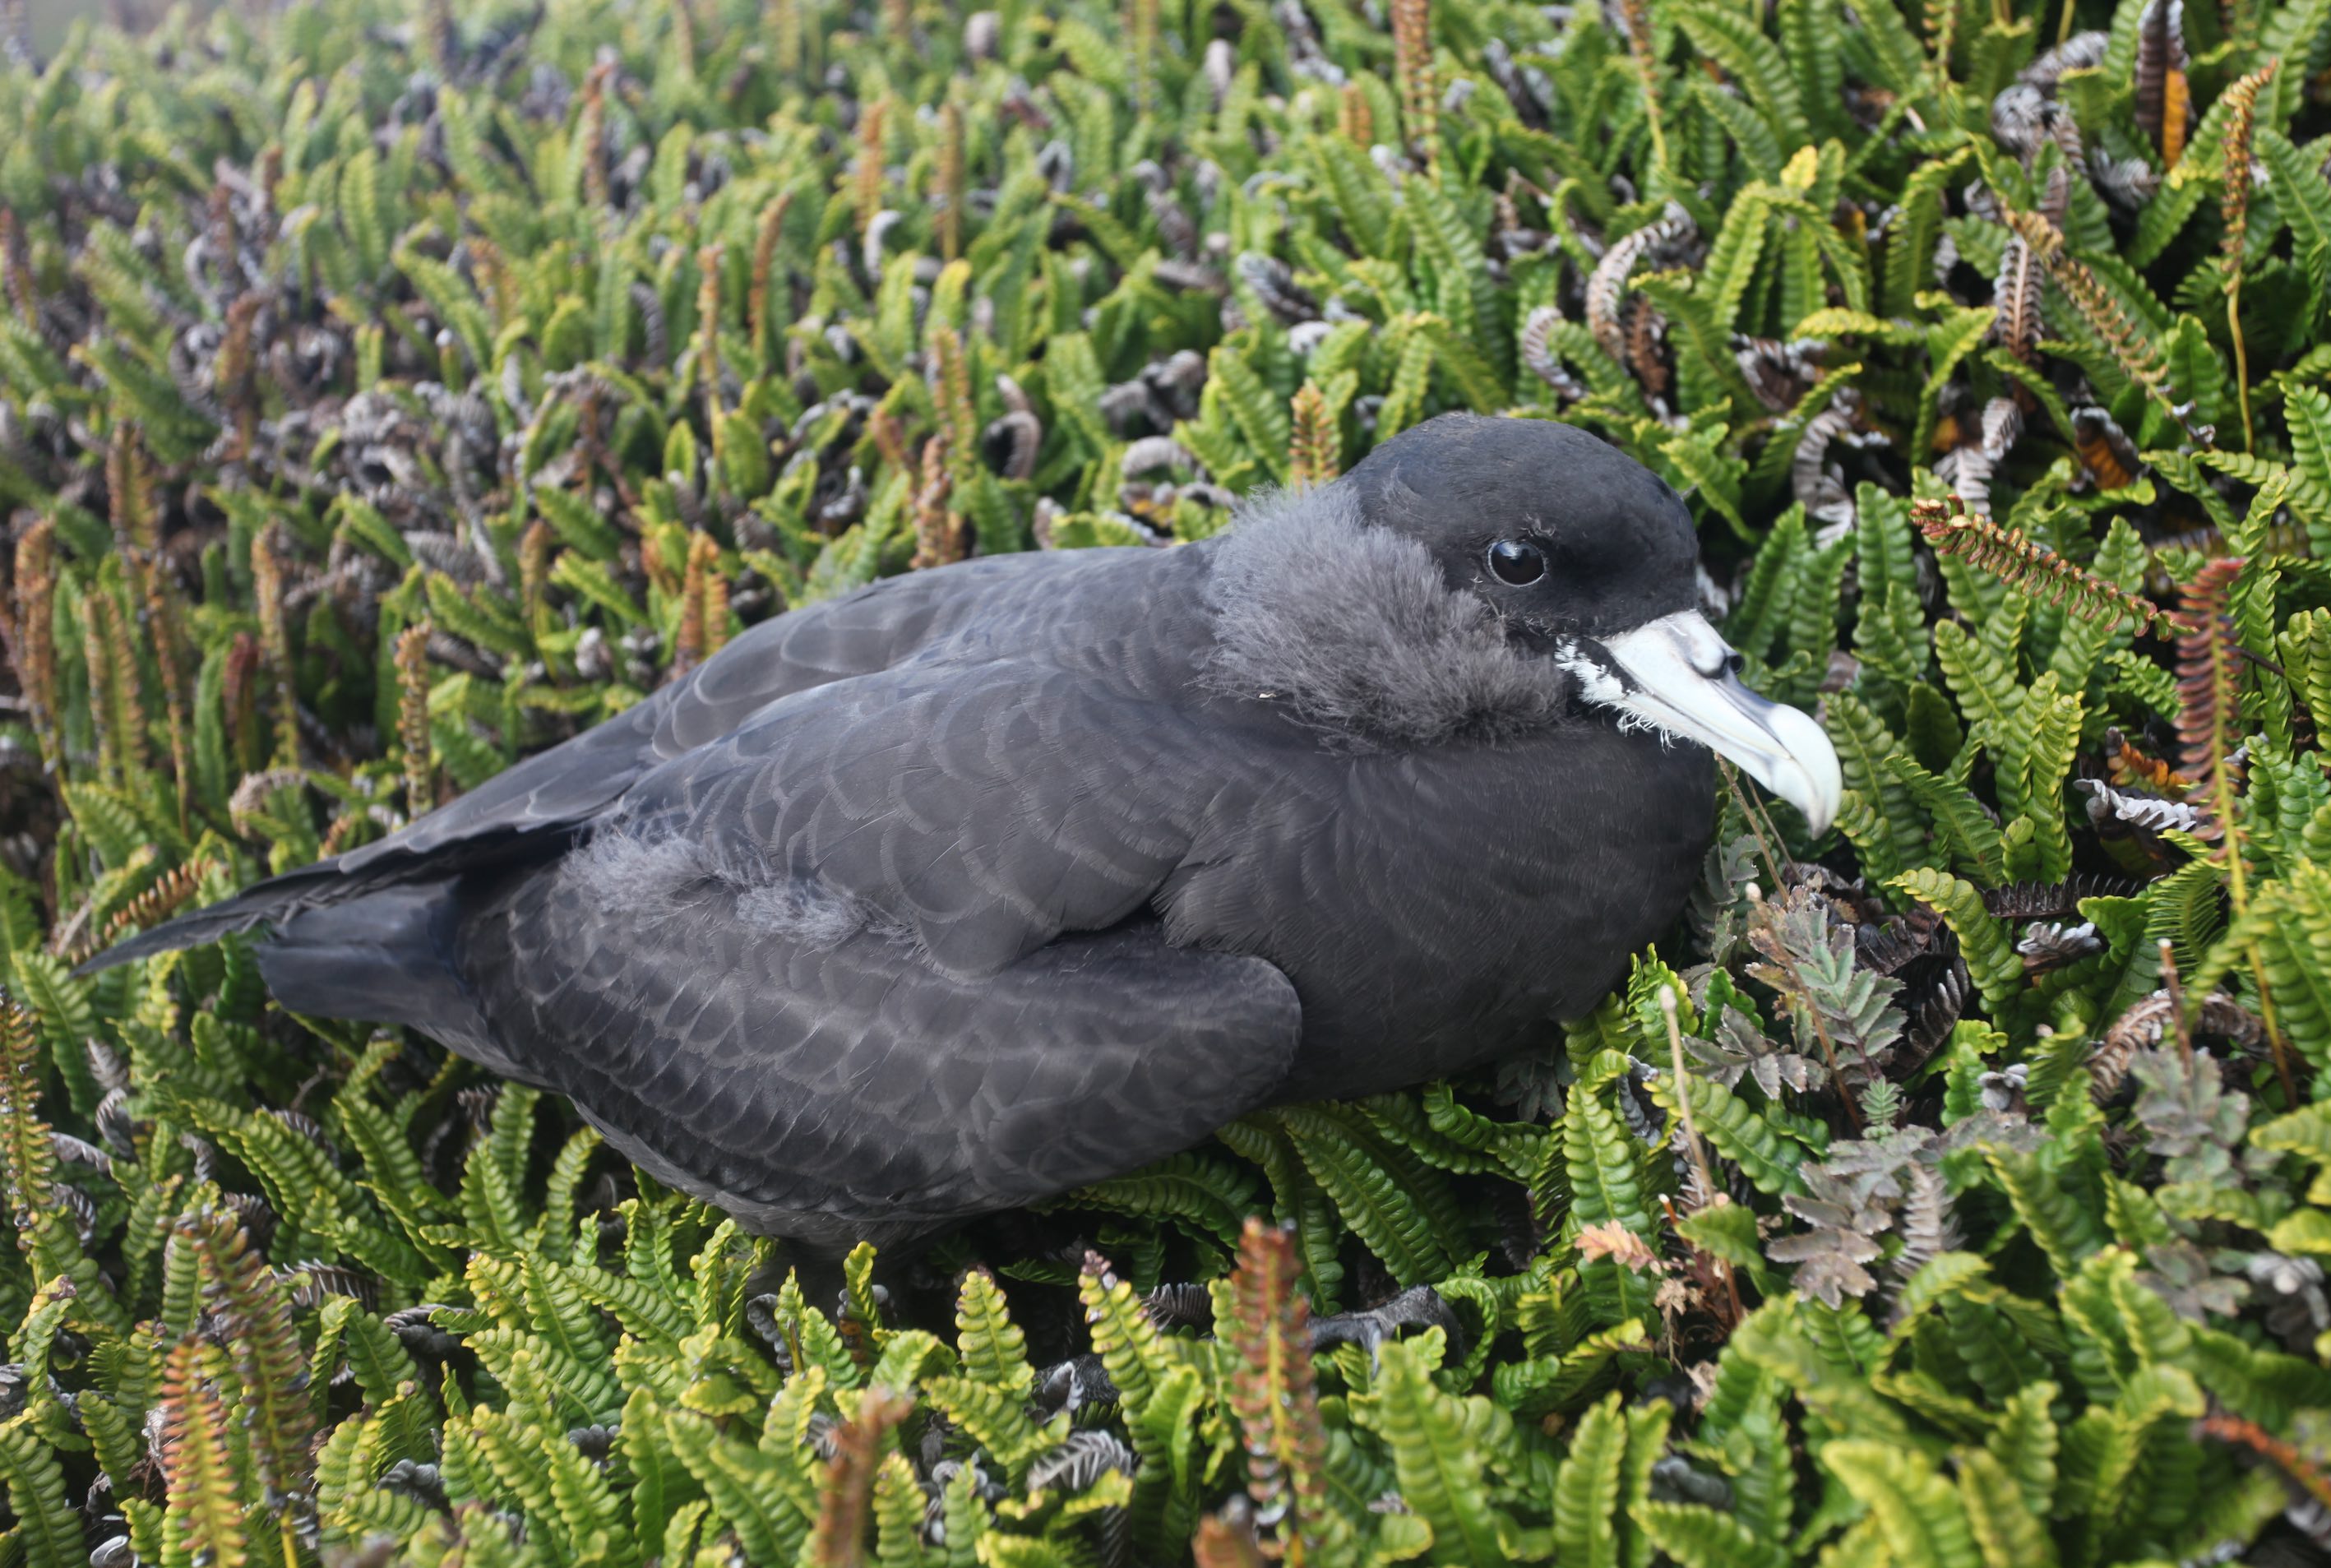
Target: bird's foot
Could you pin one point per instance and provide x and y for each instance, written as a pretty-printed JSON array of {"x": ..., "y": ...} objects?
[{"x": 1417, "y": 1306}]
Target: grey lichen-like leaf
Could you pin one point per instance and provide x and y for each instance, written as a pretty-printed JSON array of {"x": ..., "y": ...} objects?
[
  {"x": 2186, "y": 1278},
  {"x": 2132, "y": 810},
  {"x": 2192, "y": 1122},
  {"x": 2052, "y": 944},
  {"x": 1809, "y": 958},
  {"x": 1743, "y": 1050},
  {"x": 1865, "y": 1188}
]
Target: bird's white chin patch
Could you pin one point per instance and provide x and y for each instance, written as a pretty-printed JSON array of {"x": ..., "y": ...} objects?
[{"x": 1676, "y": 675}]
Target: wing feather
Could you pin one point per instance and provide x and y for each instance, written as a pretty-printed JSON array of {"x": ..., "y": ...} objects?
[{"x": 827, "y": 1092}]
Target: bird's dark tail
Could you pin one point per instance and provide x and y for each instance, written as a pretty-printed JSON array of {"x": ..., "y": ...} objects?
[
  {"x": 336, "y": 947},
  {"x": 385, "y": 958}
]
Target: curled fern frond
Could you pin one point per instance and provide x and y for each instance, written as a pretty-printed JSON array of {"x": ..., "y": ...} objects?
[
  {"x": 2030, "y": 568},
  {"x": 2143, "y": 1025},
  {"x": 1608, "y": 283}
]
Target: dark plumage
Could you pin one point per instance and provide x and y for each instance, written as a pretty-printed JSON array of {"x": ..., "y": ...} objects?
[{"x": 988, "y": 881}]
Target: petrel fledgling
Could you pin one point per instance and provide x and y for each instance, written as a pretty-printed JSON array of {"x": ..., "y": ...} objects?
[{"x": 983, "y": 883}]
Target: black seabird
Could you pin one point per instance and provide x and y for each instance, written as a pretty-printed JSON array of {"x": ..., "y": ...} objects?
[{"x": 983, "y": 883}]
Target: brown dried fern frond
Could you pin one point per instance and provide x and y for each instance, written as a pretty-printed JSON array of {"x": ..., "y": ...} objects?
[
  {"x": 534, "y": 548},
  {"x": 783, "y": 23},
  {"x": 150, "y": 908},
  {"x": 130, "y": 494},
  {"x": 412, "y": 717},
  {"x": 766, "y": 240},
  {"x": 437, "y": 34},
  {"x": 28, "y": 1159},
  {"x": 1226, "y": 1539},
  {"x": 2242, "y": 101},
  {"x": 1606, "y": 286},
  {"x": 1273, "y": 1390},
  {"x": 949, "y": 178},
  {"x": 590, "y": 132},
  {"x": 162, "y": 622},
  {"x": 235, "y": 377},
  {"x": 2104, "y": 449},
  {"x": 275, "y": 640},
  {"x": 950, "y": 379},
  {"x": 2130, "y": 767},
  {"x": 2147, "y": 1022},
  {"x": 866, "y": 172},
  {"x": 16, "y": 270},
  {"x": 708, "y": 326},
  {"x": 250, "y": 1316},
  {"x": 938, "y": 528},
  {"x": 845, "y": 1495},
  {"x": 2052, "y": 901},
  {"x": 31, "y": 648},
  {"x": 2300, "y": 1472},
  {"x": 1314, "y": 455},
  {"x": 696, "y": 640},
  {"x": 1141, "y": 27},
  {"x": 205, "y": 1499},
  {"x": 2241, "y": 114},
  {"x": 2209, "y": 677},
  {"x": 2131, "y": 347},
  {"x": 1356, "y": 117},
  {"x": 117, "y": 704},
  {"x": 1419, "y": 95},
  {"x": 2030, "y": 568},
  {"x": 2165, "y": 102},
  {"x": 2015, "y": 295}
]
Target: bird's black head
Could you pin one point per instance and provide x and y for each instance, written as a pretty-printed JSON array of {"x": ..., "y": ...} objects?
[
  {"x": 1491, "y": 577},
  {"x": 1558, "y": 532}
]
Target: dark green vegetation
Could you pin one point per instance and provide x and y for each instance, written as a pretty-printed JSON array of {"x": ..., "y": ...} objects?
[{"x": 384, "y": 394}]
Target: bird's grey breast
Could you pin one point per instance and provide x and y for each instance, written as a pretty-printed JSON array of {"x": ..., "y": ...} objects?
[{"x": 1433, "y": 906}]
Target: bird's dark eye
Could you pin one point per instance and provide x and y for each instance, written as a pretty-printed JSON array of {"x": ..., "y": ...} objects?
[{"x": 1516, "y": 561}]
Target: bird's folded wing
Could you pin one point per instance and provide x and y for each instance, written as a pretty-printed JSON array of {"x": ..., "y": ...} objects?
[
  {"x": 796, "y": 652},
  {"x": 559, "y": 789},
  {"x": 830, "y": 1085},
  {"x": 986, "y": 807}
]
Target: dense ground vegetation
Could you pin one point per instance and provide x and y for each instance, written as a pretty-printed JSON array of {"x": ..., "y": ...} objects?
[{"x": 386, "y": 393}]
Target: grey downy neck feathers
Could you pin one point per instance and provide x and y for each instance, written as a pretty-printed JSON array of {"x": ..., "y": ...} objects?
[{"x": 1357, "y": 630}]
